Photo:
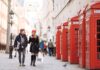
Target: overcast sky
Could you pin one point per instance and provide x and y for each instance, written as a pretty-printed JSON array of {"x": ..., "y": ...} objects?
[{"x": 33, "y": 9}]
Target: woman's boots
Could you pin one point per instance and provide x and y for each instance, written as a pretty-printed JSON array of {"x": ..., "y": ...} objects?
[{"x": 33, "y": 60}]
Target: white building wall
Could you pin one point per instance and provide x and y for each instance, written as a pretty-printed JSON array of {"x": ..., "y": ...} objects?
[
  {"x": 62, "y": 14},
  {"x": 70, "y": 10}
]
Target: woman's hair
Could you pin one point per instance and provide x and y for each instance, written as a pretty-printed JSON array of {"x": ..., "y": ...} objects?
[{"x": 33, "y": 31}]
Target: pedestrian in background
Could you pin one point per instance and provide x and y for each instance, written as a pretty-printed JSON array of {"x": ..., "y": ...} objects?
[
  {"x": 34, "y": 47},
  {"x": 20, "y": 44},
  {"x": 50, "y": 48},
  {"x": 41, "y": 45},
  {"x": 45, "y": 48}
]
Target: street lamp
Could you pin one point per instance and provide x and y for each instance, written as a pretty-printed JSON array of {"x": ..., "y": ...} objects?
[
  {"x": 48, "y": 33},
  {"x": 8, "y": 26},
  {"x": 11, "y": 13},
  {"x": 49, "y": 28}
]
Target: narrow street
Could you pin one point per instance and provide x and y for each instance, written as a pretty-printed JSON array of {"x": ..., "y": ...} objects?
[
  {"x": 67, "y": 30},
  {"x": 49, "y": 63}
]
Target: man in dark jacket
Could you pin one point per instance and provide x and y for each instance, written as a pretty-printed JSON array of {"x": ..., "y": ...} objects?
[{"x": 20, "y": 44}]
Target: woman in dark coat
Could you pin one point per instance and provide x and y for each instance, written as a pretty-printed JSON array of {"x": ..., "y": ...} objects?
[{"x": 34, "y": 46}]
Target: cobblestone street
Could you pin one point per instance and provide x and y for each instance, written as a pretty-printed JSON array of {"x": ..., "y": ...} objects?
[
  {"x": 68, "y": 30},
  {"x": 49, "y": 63}
]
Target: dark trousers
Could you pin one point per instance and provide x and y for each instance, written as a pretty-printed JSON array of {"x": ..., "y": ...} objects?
[
  {"x": 10, "y": 51},
  {"x": 21, "y": 56},
  {"x": 50, "y": 51}
]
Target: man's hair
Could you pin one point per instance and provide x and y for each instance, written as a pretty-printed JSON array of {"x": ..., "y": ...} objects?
[{"x": 21, "y": 30}]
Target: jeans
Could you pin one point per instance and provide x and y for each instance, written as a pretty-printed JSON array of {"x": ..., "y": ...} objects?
[
  {"x": 50, "y": 51},
  {"x": 21, "y": 56}
]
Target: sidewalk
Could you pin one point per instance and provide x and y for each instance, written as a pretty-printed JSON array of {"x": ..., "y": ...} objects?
[{"x": 49, "y": 63}]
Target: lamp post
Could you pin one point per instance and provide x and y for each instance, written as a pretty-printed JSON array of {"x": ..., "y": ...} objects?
[
  {"x": 49, "y": 28},
  {"x": 8, "y": 27},
  {"x": 11, "y": 13},
  {"x": 48, "y": 33},
  {"x": 9, "y": 24}
]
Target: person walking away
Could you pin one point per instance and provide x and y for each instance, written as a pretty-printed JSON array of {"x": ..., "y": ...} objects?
[
  {"x": 34, "y": 47},
  {"x": 20, "y": 44},
  {"x": 42, "y": 47},
  {"x": 50, "y": 48},
  {"x": 45, "y": 48}
]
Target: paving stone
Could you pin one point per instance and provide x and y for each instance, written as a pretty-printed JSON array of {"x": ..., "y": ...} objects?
[{"x": 49, "y": 63}]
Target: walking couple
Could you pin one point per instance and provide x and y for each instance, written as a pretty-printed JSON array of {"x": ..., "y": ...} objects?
[{"x": 21, "y": 43}]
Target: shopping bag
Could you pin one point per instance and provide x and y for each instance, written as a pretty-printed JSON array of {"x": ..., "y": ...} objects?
[
  {"x": 18, "y": 45},
  {"x": 14, "y": 53},
  {"x": 40, "y": 57}
]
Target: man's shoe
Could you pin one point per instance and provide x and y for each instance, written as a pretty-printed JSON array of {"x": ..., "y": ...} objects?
[
  {"x": 15, "y": 56},
  {"x": 34, "y": 65},
  {"x": 31, "y": 64},
  {"x": 20, "y": 65},
  {"x": 23, "y": 65}
]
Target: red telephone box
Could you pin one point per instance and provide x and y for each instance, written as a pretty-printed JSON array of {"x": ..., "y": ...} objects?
[
  {"x": 64, "y": 42},
  {"x": 82, "y": 38},
  {"x": 93, "y": 37},
  {"x": 58, "y": 43},
  {"x": 73, "y": 57}
]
